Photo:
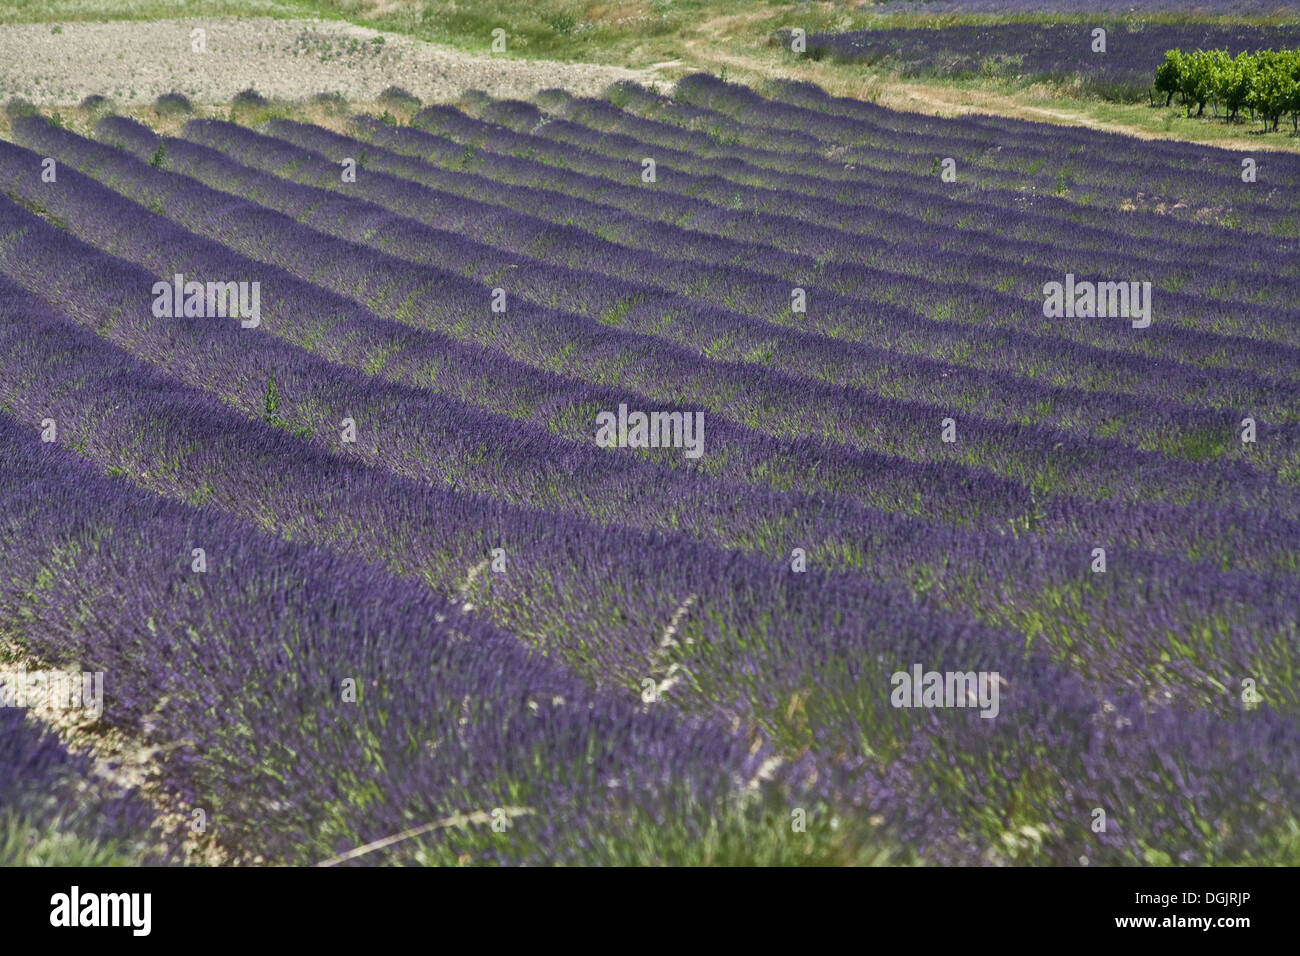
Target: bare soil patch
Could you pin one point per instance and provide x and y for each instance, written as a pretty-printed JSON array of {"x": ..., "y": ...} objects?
[{"x": 134, "y": 62}]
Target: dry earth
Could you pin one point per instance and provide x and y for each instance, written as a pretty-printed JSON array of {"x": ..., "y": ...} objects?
[
  {"x": 120, "y": 764},
  {"x": 135, "y": 62}
]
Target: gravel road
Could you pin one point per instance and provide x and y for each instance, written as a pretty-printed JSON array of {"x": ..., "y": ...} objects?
[{"x": 134, "y": 62}]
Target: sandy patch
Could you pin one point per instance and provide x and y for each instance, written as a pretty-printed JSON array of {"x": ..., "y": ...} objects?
[{"x": 134, "y": 62}]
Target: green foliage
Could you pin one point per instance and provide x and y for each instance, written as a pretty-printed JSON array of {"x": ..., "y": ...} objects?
[
  {"x": 1275, "y": 87},
  {"x": 562, "y": 23},
  {"x": 17, "y": 106},
  {"x": 1167, "y": 74},
  {"x": 272, "y": 403},
  {"x": 21, "y": 844},
  {"x": 1196, "y": 78},
  {"x": 1233, "y": 84},
  {"x": 271, "y": 412},
  {"x": 1268, "y": 82}
]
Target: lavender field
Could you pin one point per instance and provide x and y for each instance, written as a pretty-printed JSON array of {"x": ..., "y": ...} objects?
[
  {"x": 703, "y": 479},
  {"x": 1046, "y": 51}
]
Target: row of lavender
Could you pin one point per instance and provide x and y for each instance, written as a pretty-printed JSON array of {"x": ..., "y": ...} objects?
[
  {"x": 970, "y": 292},
  {"x": 686, "y": 507},
  {"x": 200, "y": 650},
  {"x": 240, "y": 675},
  {"x": 783, "y": 173},
  {"x": 378, "y": 189},
  {"x": 908, "y": 162},
  {"x": 1101, "y": 168},
  {"x": 887, "y": 548},
  {"x": 1108, "y": 239},
  {"x": 738, "y": 225},
  {"x": 52, "y": 812},
  {"x": 1118, "y": 66},
  {"x": 322, "y": 173},
  {"x": 1285, "y": 548},
  {"x": 473, "y": 133},
  {"x": 299, "y": 248},
  {"x": 612, "y": 295},
  {"x": 799, "y": 643}
]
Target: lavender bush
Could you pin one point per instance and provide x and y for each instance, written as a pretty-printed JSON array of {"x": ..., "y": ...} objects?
[{"x": 458, "y": 617}]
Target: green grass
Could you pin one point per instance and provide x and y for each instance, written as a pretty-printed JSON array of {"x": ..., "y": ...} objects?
[{"x": 21, "y": 844}]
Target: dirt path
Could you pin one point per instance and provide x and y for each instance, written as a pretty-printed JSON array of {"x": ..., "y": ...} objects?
[
  {"x": 120, "y": 764},
  {"x": 135, "y": 62},
  {"x": 946, "y": 101}
]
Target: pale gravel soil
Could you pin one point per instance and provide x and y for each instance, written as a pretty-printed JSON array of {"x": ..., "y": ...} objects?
[
  {"x": 134, "y": 62},
  {"x": 120, "y": 764}
]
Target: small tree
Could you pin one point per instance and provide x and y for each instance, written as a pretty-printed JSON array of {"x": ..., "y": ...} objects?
[
  {"x": 1267, "y": 82},
  {"x": 1273, "y": 88},
  {"x": 1232, "y": 84},
  {"x": 1196, "y": 80},
  {"x": 1169, "y": 74},
  {"x": 1291, "y": 64}
]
